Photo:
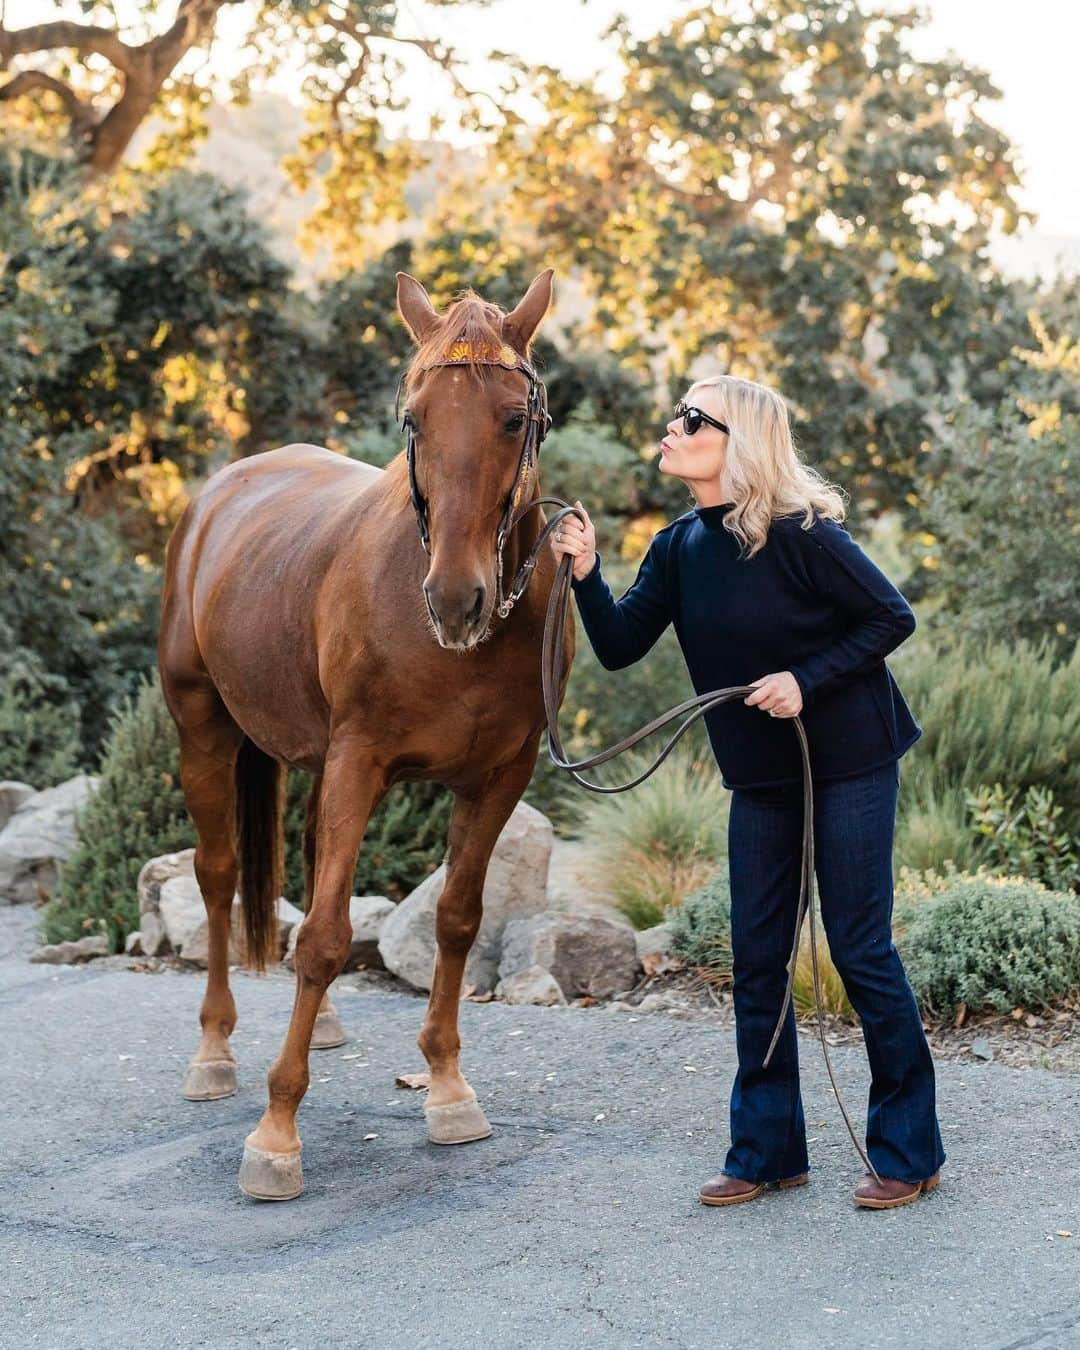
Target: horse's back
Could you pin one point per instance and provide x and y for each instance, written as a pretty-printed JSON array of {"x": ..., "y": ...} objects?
[{"x": 245, "y": 567}]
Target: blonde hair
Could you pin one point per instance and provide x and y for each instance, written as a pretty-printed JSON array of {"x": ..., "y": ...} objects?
[{"x": 765, "y": 476}]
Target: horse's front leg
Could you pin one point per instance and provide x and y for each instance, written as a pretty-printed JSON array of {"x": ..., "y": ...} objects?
[
  {"x": 453, "y": 1114},
  {"x": 351, "y": 786}
]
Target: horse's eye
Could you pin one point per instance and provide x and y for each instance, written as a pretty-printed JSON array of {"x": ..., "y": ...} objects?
[{"x": 515, "y": 422}]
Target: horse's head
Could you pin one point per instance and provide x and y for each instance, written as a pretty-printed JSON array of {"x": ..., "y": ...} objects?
[{"x": 468, "y": 420}]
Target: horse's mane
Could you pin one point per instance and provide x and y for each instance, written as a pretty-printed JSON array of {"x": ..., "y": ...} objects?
[{"x": 470, "y": 319}]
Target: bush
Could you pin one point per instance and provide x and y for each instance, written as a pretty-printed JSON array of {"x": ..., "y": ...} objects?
[
  {"x": 701, "y": 927},
  {"x": 1005, "y": 712},
  {"x": 404, "y": 842},
  {"x": 136, "y": 813},
  {"x": 661, "y": 840},
  {"x": 988, "y": 942},
  {"x": 1025, "y": 840},
  {"x": 39, "y": 723}
]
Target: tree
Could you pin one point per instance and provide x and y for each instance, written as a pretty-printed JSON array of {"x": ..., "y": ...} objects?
[
  {"x": 781, "y": 187},
  {"x": 102, "y": 79}
]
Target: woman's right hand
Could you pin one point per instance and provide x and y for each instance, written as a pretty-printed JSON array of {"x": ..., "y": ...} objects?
[{"x": 578, "y": 539}]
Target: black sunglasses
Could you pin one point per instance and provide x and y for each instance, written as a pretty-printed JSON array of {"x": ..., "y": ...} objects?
[{"x": 693, "y": 418}]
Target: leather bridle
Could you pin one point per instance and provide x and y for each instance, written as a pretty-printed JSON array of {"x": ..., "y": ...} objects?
[
  {"x": 536, "y": 428},
  {"x": 553, "y": 660}
]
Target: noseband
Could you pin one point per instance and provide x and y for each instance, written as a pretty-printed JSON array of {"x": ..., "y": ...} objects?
[{"x": 536, "y": 428}]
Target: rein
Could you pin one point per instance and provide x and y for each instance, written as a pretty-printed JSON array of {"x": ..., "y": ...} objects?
[{"x": 553, "y": 660}]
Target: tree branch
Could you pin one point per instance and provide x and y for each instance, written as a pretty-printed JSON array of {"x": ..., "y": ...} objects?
[
  {"x": 43, "y": 37},
  {"x": 81, "y": 115}
]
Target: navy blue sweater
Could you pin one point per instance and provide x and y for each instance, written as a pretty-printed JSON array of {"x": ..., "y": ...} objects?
[{"x": 810, "y": 602}]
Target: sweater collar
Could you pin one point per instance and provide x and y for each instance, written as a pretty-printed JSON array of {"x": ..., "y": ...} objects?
[{"x": 713, "y": 516}]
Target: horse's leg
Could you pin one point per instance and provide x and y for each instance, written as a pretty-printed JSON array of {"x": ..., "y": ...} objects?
[
  {"x": 209, "y": 741},
  {"x": 453, "y": 1114},
  {"x": 329, "y": 1031},
  {"x": 351, "y": 785}
]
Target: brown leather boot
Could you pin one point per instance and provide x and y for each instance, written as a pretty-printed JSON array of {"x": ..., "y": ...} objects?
[
  {"x": 891, "y": 1192},
  {"x": 728, "y": 1190}
]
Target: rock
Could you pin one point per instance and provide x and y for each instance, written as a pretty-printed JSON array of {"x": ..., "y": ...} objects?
[
  {"x": 533, "y": 985},
  {"x": 653, "y": 941},
  {"x": 156, "y": 872},
  {"x": 39, "y": 839},
  {"x": 368, "y": 915},
  {"x": 12, "y": 795},
  {"x": 654, "y": 1003},
  {"x": 154, "y": 939},
  {"x": 515, "y": 887},
  {"x": 71, "y": 953},
  {"x": 169, "y": 892},
  {"x": 133, "y": 944},
  {"x": 981, "y": 1048},
  {"x": 586, "y": 953}
]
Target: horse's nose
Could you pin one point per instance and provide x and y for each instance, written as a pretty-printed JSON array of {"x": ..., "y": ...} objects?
[{"x": 456, "y": 609}]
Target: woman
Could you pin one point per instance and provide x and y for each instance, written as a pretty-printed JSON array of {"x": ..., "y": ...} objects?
[{"x": 766, "y": 588}]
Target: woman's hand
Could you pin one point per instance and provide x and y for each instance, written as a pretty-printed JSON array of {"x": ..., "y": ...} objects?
[
  {"x": 778, "y": 694},
  {"x": 578, "y": 539}
]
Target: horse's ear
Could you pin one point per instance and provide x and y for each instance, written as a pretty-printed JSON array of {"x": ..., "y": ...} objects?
[
  {"x": 414, "y": 306},
  {"x": 523, "y": 321}
]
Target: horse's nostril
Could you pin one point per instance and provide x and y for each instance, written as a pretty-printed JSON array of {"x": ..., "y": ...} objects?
[{"x": 478, "y": 604}]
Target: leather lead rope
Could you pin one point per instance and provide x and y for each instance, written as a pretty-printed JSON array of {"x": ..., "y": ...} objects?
[{"x": 553, "y": 656}]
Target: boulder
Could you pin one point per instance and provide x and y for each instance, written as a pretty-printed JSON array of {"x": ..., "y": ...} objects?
[
  {"x": 533, "y": 985},
  {"x": 12, "y": 796},
  {"x": 39, "y": 838},
  {"x": 515, "y": 887},
  {"x": 655, "y": 950},
  {"x": 183, "y": 916},
  {"x": 71, "y": 953},
  {"x": 133, "y": 943},
  {"x": 155, "y": 873},
  {"x": 587, "y": 954},
  {"x": 367, "y": 913},
  {"x": 154, "y": 939}
]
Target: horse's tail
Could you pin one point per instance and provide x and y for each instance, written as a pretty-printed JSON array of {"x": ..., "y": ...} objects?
[{"x": 259, "y": 848}]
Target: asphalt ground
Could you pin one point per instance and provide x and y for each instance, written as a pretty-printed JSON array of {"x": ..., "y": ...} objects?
[{"x": 575, "y": 1224}]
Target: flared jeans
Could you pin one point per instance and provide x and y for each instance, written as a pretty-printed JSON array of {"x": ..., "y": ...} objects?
[{"x": 854, "y": 820}]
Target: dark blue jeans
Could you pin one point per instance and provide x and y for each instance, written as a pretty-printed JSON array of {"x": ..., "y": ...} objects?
[{"x": 853, "y": 841}]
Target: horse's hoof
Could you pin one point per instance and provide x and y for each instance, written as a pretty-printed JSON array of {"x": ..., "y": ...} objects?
[
  {"x": 328, "y": 1032},
  {"x": 457, "y": 1122},
  {"x": 208, "y": 1081},
  {"x": 271, "y": 1176}
]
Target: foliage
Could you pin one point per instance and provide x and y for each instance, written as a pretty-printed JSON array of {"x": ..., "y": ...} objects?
[
  {"x": 990, "y": 712},
  {"x": 39, "y": 722},
  {"x": 658, "y": 842},
  {"x": 701, "y": 926},
  {"x": 404, "y": 842},
  {"x": 998, "y": 553},
  {"x": 137, "y": 813},
  {"x": 992, "y": 942},
  {"x": 832, "y": 242},
  {"x": 1025, "y": 840}
]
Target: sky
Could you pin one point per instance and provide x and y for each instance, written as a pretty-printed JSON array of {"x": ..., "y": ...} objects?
[{"x": 1029, "y": 50}]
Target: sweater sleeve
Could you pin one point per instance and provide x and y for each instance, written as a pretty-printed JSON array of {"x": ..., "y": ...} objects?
[
  {"x": 880, "y": 618},
  {"x": 622, "y": 631}
]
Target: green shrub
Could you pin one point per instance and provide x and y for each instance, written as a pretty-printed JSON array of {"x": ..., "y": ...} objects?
[
  {"x": 989, "y": 942},
  {"x": 990, "y": 712},
  {"x": 404, "y": 842},
  {"x": 39, "y": 723},
  {"x": 136, "y": 813},
  {"x": 701, "y": 927},
  {"x": 661, "y": 840},
  {"x": 1025, "y": 840}
]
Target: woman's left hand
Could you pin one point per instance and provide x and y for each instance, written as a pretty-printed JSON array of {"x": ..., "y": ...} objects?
[{"x": 778, "y": 694}]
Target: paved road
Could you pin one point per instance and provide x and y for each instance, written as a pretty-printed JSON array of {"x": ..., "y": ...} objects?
[{"x": 575, "y": 1224}]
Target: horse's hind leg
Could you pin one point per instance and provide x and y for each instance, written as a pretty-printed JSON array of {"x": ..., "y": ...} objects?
[
  {"x": 453, "y": 1114},
  {"x": 329, "y": 1031},
  {"x": 209, "y": 741}
]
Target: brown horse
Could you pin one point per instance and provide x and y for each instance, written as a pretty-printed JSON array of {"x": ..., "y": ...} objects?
[{"x": 305, "y": 623}]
